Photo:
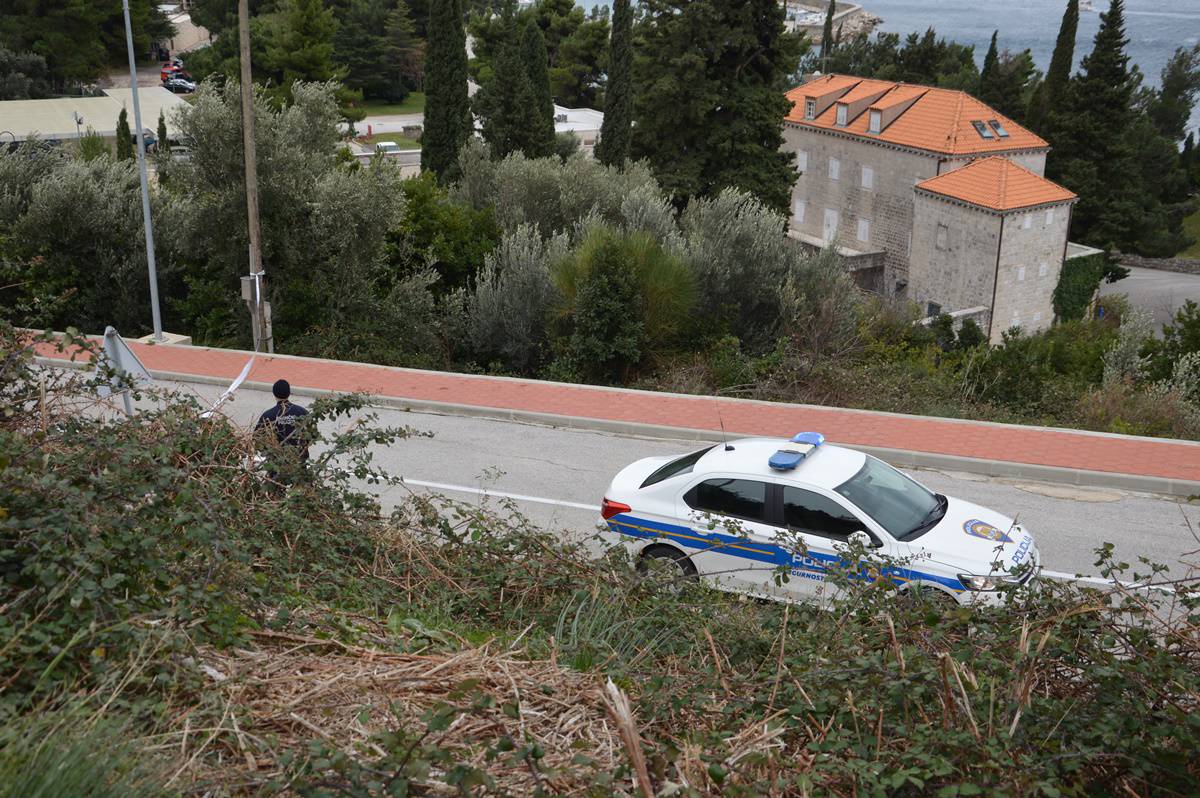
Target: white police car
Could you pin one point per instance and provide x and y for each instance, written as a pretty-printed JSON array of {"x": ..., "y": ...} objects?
[{"x": 737, "y": 513}]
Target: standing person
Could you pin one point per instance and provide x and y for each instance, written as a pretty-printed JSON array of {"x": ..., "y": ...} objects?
[{"x": 284, "y": 420}]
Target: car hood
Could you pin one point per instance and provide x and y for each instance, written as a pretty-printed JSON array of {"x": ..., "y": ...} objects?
[{"x": 972, "y": 537}]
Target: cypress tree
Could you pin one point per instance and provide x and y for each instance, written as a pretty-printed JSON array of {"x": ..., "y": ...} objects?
[
  {"x": 1095, "y": 150},
  {"x": 613, "y": 147},
  {"x": 124, "y": 137},
  {"x": 162, "y": 144},
  {"x": 505, "y": 102},
  {"x": 827, "y": 34},
  {"x": 1050, "y": 93},
  {"x": 711, "y": 117},
  {"x": 447, "y": 108},
  {"x": 537, "y": 67},
  {"x": 991, "y": 65}
]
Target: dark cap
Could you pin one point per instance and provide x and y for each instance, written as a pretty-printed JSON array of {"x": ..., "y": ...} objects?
[{"x": 281, "y": 389}]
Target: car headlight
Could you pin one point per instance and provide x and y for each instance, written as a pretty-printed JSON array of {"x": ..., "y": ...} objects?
[{"x": 980, "y": 583}]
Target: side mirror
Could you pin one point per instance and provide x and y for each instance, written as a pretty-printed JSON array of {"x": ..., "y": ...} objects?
[{"x": 860, "y": 538}]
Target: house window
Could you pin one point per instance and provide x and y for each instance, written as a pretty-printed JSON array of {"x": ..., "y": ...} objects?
[
  {"x": 876, "y": 121},
  {"x": 943, "y": 236},
  {"x": 802, "y": 161},
  {"x": 1043, "y": 269},
  {"x": 1027, "y": 221},
  {"x": 831, "y": 224},
  {"x": 798, "y": 209},
  {"x": 868, "y": 177},
  {"x": 864, "y": 230},
  {"x": 1021, "y": 274},
  {"x": 835, "y": 167},
  {"x": 810, "y": 108},
  {"x": 1049, "y": 217},
  {"x": 841, "y": 115}
]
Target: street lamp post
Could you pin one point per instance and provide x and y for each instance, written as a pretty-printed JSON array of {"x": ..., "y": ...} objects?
[{"x": 141, "y": 144}]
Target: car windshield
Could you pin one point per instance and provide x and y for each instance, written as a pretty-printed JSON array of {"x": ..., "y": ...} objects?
[
  {"x": 897, "y": 503},
  {"x": 680, "y": 465}
]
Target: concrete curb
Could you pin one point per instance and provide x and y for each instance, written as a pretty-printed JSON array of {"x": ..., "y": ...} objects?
[{"x": 901, "y": 457}]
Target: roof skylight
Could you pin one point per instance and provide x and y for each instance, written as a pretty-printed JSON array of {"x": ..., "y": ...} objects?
[
  {"x": 999, "y": 128},
  {"x": 982, "y": 129}
]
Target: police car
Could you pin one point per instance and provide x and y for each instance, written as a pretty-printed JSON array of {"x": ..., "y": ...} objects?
[{"x": 742, "y": 513}]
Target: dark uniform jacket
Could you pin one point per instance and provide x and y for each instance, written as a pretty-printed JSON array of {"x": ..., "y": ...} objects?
[{"x": 284, "y": 419}]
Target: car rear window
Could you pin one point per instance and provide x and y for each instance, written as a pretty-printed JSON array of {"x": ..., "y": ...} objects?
[
  {"x": 738, "y": 498},
  {"x": 681, "y": 465}
]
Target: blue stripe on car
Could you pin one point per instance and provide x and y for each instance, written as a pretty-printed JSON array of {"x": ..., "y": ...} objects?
[{"x": 748, "y": 549}]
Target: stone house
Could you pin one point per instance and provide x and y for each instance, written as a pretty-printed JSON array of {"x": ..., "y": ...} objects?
[{"x": 930, "y": 195}]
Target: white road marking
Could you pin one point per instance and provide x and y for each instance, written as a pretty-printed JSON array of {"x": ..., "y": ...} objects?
[
  {"x": 521, "y": 497},
  {"x": 515, "y": 496}
]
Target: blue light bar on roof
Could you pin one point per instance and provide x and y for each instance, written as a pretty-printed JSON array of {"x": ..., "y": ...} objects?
[
  {"x": 811, "y": 438},
  {"x": 786, "y": 459}
]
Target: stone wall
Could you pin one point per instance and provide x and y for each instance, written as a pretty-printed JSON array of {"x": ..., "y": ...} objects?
[
  {"x": 952, "y": 267},
  {"x": 1183, "y": 265},
  {"x": 887, "y": 205},
  {"x": 1030, "y": 263}
]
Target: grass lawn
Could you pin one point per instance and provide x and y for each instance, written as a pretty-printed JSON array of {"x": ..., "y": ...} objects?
[
  {"x": 1191, "y": 226},
  {"x": 413, "y": 104},
  {"x": 403, "y": 142}
]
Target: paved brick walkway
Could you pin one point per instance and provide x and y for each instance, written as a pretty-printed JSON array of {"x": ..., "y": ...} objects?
[{"x": 1152, "y": 457}]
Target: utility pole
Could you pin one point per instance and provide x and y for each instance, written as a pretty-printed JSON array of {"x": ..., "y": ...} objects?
[
  {"x": 254, "y": 286},
  {"x": 155, "y": 316}
]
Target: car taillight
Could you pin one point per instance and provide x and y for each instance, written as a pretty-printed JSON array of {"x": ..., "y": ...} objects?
[{"x": 610, "y": 508}]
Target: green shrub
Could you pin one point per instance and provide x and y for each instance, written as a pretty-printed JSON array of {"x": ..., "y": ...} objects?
[
  {"x": 735, "y": 247},
  {"x": 509, "y": 311},
  {"x": 625, "y": 299},
  {"x": 608, "y": 334},
  {"x": 1077, "y": 284},
  {"x": 64, "y": 753},
  {"x": 435, "y": 232},
  {"x": 1180, "y": 337},
  {"x": 118, "y": 531}
]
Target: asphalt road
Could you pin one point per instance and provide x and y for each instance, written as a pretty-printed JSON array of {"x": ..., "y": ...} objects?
[
  {"x": 562, "y": 476},
  {"x": 1157, "y": 292}
]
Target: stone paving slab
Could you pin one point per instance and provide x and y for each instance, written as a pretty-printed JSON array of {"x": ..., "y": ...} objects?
[{"x": 1078, "y": 457}]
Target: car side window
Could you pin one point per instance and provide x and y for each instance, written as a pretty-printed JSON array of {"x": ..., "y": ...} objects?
[
  {"x": 812, "y": 513},
  {"x": 739, "y": 498}
]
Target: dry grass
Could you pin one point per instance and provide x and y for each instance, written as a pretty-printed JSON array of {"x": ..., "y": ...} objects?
[{"x": 292, "y": 690}]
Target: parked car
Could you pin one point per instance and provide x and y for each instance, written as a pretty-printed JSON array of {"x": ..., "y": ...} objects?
[
  {"x": 744, "y": 513},
  {"x": 388, "y": 148},
  {"x": 180, "y": 152},
  {"x": 179, "y": 86},
  {"x": 168, "y": 71}
]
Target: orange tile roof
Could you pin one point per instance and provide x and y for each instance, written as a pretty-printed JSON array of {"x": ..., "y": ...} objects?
[
  {"x": 865, "y": 88},
  {"x": 998, "y": 184},
  {"x": 903, "y": 92},
  {"x": 938, "y": 121}
]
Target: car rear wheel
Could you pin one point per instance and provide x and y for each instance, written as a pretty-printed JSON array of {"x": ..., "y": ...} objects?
[{"x": 666, "y": 566}]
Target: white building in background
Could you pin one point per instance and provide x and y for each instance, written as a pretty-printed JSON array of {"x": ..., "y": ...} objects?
[
  {"x": 56, "y": 118},
  {"x": 585, "y": 123}
]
